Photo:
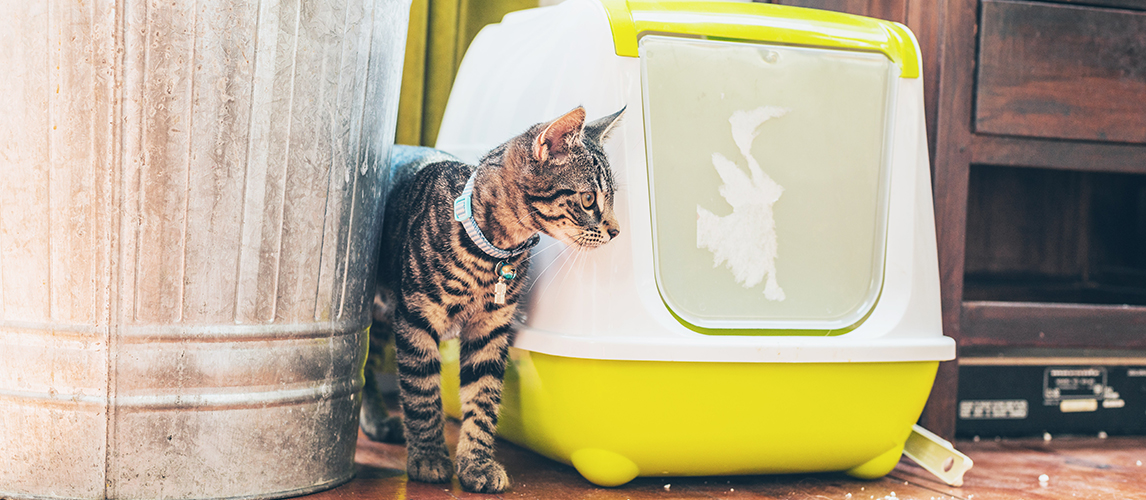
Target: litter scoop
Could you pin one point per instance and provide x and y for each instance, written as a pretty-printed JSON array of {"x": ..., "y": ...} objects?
[{"x": 937, "y": 456}]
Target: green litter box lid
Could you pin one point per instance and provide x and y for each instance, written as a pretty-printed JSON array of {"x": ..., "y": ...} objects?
[
  {"x": 782, "y": 24},
  {"x": 768, "y": 171}
]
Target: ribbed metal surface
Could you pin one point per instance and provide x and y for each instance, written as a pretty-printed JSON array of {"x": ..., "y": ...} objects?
[{"x": 188, "y": 194}]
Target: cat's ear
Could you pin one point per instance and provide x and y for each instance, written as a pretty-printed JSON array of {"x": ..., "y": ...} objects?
[
  {"x": 558, "y": 134},
  {"x": 598, "y": 130}
]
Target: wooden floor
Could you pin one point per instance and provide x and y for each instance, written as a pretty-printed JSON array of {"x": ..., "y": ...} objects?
[{"x": 1075, "y": 468}]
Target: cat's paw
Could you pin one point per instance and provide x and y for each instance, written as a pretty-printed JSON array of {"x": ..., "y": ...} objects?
[
  {"x": 386, "y": 430},
  {"x": 429, "y": 466},
  {"x": 484, "y": 476}
]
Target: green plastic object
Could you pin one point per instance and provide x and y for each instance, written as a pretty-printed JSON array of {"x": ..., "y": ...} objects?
[
  {"x": 615, "y": 420},
  {"x": 760, "y": 22}
]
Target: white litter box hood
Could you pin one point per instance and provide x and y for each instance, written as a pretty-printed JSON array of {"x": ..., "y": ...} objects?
[{"x": 615, "y": 302}]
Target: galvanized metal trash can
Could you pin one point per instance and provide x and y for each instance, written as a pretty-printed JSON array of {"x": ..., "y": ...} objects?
[{"x": 189, "y": 193}]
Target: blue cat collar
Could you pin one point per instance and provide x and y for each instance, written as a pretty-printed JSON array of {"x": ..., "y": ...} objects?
[{"x": 464, "y": 213}]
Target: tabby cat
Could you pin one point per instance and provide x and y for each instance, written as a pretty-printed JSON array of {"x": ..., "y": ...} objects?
[{"x": 455, "y": 250}]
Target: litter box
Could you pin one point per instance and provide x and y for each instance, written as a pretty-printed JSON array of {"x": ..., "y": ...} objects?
[{"x": 772, "y": 302}]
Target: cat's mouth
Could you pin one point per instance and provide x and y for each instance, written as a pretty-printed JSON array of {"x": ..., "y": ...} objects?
[{"x": 593, "y": 238}]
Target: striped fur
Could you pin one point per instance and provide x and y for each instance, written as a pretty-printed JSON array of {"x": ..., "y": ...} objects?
[{"x": 435, "y": 283}]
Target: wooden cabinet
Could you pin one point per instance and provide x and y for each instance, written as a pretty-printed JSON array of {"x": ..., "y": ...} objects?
[
  {"x": 1059, "y": 71},
  {"x": 1040, "y": 178},
  {"x": 1036, "y": 117}
]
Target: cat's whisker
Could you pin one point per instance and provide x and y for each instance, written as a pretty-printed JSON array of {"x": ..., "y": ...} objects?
[
  {"x": 547, "y": 247},
  {"x": 528, "y": 212},
  {"x": 578, "y": 253},
  {"x": 583, "y": 261},
  {"x": 558, "y": 275},
  {"x": 542, "y": 273}
]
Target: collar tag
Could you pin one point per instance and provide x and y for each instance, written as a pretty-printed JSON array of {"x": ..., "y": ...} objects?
[{"x": 505, "y": 271}]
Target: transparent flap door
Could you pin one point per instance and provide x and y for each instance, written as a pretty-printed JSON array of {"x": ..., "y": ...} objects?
[{"x": 768, "y": 178}]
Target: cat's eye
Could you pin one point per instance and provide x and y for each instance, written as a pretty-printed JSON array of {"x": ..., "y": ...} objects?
[{"x": 587, "y": 200}]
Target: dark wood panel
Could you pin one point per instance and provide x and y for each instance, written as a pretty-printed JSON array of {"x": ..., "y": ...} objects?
[
  {"x": 954, "y": 67},
  {"x": 1121, "y": 4},
  {"x": 1061, "y": 71},
  {"x": 939, "y": 414},
  {"x": 1025, "y": 324},
  {"x": 1026, "y": 221},
  {"x": 1118, "y": 230},
  {"x": 1067, "y": 155},
  {"x": 1100, "y": 290}
]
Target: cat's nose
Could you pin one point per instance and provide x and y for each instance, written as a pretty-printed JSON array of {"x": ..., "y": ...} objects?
[{"x": 613, "y": 232}]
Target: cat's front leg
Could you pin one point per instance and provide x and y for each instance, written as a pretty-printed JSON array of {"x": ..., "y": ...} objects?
[
  {"x": 484, "y": 350},
  {"x": 419, "y": 385}
]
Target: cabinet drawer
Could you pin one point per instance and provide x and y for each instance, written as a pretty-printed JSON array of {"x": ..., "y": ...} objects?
[{"x": 1061, "y": 71}]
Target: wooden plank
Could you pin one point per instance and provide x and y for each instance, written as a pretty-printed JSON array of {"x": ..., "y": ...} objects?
[
  {"x": 1121, "y": 4},
  {"x": 1025, "y": 221},
  {"x": 1032, "y": 324},
  {"x": 1043, "y": 153},
  {"x": 952, "y": 156},
  {"x": 1007, "y": 469},
  {"x": 1060, "y": 71}
]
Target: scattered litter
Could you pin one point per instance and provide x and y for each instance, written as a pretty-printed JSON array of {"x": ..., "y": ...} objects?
[
  {"x": 1043, "y": 479},
  {"x": 1139, "y": 463},
  {"x": 667, "y": 486},
  {"x": 975, "y": 439},
  {"x": 1101, "y": 434},
  {"x": 1046, "y": 436},
  {"x": 849, "y": 495}
]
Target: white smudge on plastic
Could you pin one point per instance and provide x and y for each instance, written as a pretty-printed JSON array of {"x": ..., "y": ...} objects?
[{"x": 745, "y": 240}]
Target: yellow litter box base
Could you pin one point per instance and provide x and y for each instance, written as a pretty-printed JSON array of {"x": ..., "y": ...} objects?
[{"x": 616, "y": 420}]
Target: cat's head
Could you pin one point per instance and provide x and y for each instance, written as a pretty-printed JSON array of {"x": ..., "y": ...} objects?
[{"x": 566, "y": 180}]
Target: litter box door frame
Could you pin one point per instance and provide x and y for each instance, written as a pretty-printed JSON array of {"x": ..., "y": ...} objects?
[{"x": 778, "y": 108}]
